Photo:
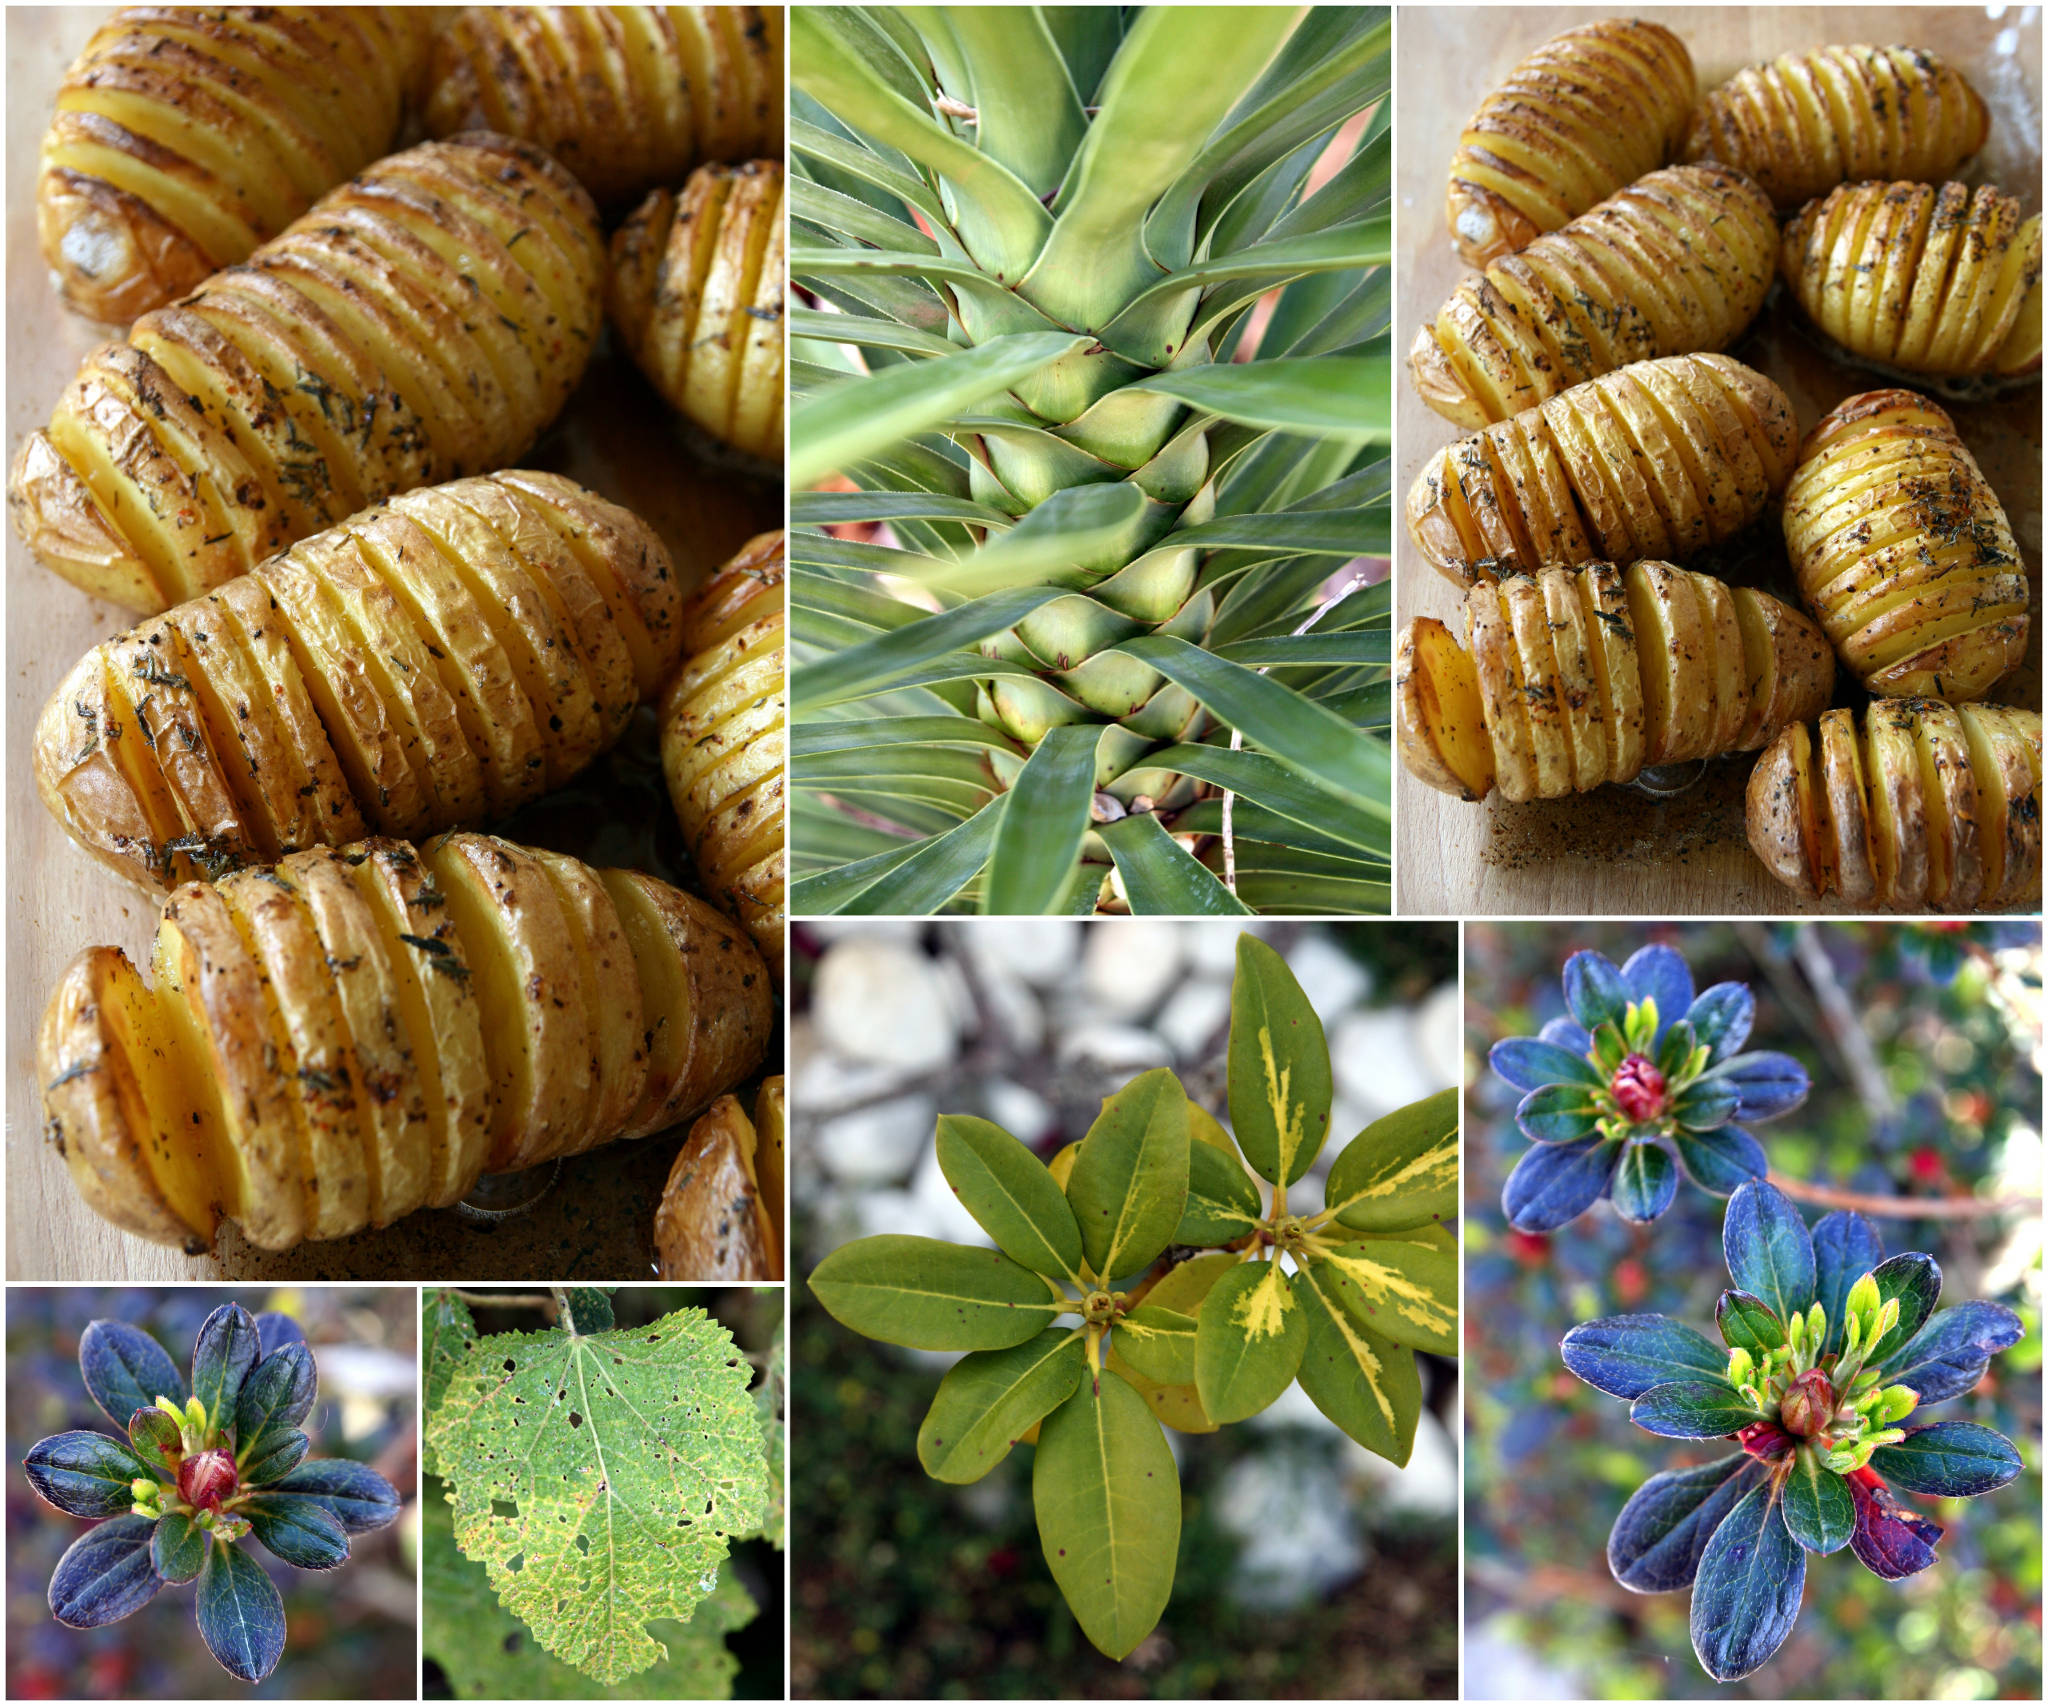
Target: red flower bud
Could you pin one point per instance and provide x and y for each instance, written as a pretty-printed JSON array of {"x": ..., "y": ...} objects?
[
  {"x": 206, "y": 1478},
  {"x": 1638, "y": 1088},
  {"x": 1809, "y": 1406}
]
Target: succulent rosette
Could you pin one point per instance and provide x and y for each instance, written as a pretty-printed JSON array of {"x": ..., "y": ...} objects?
[
  {"x": 202, "y": 1465},
  {"x": 1644, "y": 1079},
  {"x": 1831, "y": 1354}
]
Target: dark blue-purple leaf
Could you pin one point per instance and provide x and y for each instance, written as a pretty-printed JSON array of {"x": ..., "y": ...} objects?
[
  {"x": 241, "y": 1615},
  {"x": 355, "y": 1493},
  {"x": 1845, "y": 1248},
  {"x": 84, "y": 1473},
  {"x": 1949, "y": 1354},
  {"x": 1720, "y": 1161},
  {"x": 156, "y": 1439},
  {"x": 1567, "y": 1034},
  {"x": 222, "y": 1359},
  {"x": 1770, "y": 1254},
  {"x": 1705, "y": 1105},
  {"x": 1819, "y": 1514},
  {"x": 1951, "y": 1460},
  {"x": 1558, "y": 1113},
  {"x": 126, "y": 1370},
  {"x": 1662, "y": 974},
  {"x": 1663, "y": 1529},
  {"x": 275, "y": 1331},
  {"x": 1746, "y": 1596},
  {"x": 1554, "y": 1183},
  {"x": 1529, "y": 1063},
  {"x": 301, "y": 1531},
  {"x": 279, "y": 1455},
  {"x": 1891, "y": 1542},
  {"x": 1644, "y": 1183},
  {"x": 1594, "y": 990},
  {"x": 1626, "y": 1355},
  {"x": 105, "y": 1575},
  {"x": 1721, "y": 1017},
  {"x": 1749, "y": 1322},
  {"x": 277, "y": 1397},
  {"x": 178, "y": 1549},
  {"x": 1692, "y": 1409},
  {"x": 1766, "y": 1084},
  {"x": 1915, "y": 1280}
]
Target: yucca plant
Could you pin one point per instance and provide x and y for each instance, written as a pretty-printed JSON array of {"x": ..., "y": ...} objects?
[{"x": 1095, "y": 324}]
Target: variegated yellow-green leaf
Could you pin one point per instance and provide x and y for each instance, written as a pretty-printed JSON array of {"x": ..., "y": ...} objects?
[
  {"x": 1158, "y": 1343},
  {"x": 1279, "y": 1067},
  {"x": 1223, "y": 1201},
  {"x": 1061, "y": 1166},
  {"x": 1179, "y": 1407},
  {"x": 1108, "y": 1502},
  {"x": 1401, "y": 1171},
  {"x": 1130, "y": 1177},
  {"x": 1205, "y": 1127},
  {"x": 1248, "y": 1341},
  {"x": 1406, "y": 1292},
  {"x": 1181, "y": 1291},
  {"x": 991, "y": 1399},
  {"x": 1361, "y": 1380},
  {"x": 1429, "y": 1237},
  {"x": 1007, "y": 1189},
  {"x": 933, "y": 1296}
]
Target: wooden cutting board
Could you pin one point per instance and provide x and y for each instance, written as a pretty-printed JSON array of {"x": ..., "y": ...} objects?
[
  {"x": 1619, "y": 851},
  {"x": 616, "y": 436}
]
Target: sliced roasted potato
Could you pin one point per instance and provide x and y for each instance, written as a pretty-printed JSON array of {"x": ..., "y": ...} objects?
[
  {"x": 713, "y": 1222},
  {"x": 1928, "y": 805},
  {"x": 1439, "y": 719}
]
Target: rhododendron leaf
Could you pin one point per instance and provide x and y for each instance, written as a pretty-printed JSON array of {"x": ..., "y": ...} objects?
[
  {"x": 1594, "y": 989},
  {"x": 1364, "y": 1382},
  {"x": 1280, "y": 1085},
  {"x": 1645, "y": 1181},
  {"x": 1845, "y": 1248},
  {"x": 106, "y": 1574},
  {"x": 1765, "y": 1084},
  {"x": 1657, "y": 1540},
  {"x": 1556, "y": 1183},
  {"x": 178, "y": 1548},
  {"x": 1720, "y": 1161},
  {"x": 1400, "y": 1172},
  {"x": 302, "y": 1532},
  {"x": 1721, "y": 1018},
  {"x": 1769, "y": 1252},
  {"x": 1248, "y": 1341},
  {"x": 1818, "y": 1510},
  {"x": 1949, "y": 1460},
  {"x": 126, "y": 1370},
  {"x": 1159, "y": 1343},
  {"x": 1529, "y": 1063},
  {"x": 1947, "y": 1357},
  {"x": 1626, "y": 1355},
  {"x": 358, "y": 1497},
  {"x": 1558, "y": 1113},
  {"x": 1406, "y": 1292},
  {"x": 240, "y": 1612},
  {"x": 1891, "y": 1543},
  {"x": 1223, "y": 1203},
  {"x": 1010, "y": 1194},
  {"x": 932, "y": 1295},
  {"x": 276, "y": 1398},
  {"x": 222, "y": 1361},
  {"x": 990, "y": 1399},
  {"x": 1745, "y": 1597},
  {"x": 1748, "y": 1323},
  {"x": 1660, "y": 974},
  {"x": 1130, "y": 1178},
  {"x": 85, "y": 1473},
  {"x": 1692, "y": 1409},
  {"x": 1915, "y": 1280}
]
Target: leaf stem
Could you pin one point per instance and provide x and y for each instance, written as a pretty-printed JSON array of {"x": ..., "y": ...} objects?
[
  {"x": 502, "y": 1299},
  {"x": 1903, "y": 1208}
]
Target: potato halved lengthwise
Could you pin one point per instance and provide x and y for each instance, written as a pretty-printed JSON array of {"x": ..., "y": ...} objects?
[
  {"x": 1656, "y": 460},
  {"x": 1941, "y": 280},
  {"x": 627, "y": 97},
  {"x": 436, "y": 661},
  {"x": 425, "y": 319},
  {"x": 1804, "y": 122},
  {"x": 1679, "y": 261},
  {"x": 1589, "y": 110},
  {"x": 720, "y": 1214},
  {"x": 183, "y": 137},
  {"x": 361, "y": 1032},
  {"x": 724, "y": 741},
  {"x": 1572, "y": 678},
  {"x": 696, "y": 292},
  {"x": 1903, "y": 551},
  {"x": 1925, "y": 805}
]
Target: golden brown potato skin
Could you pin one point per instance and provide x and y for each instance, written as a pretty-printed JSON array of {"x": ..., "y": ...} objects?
[
  {"x": 435, "y": 661},
  {"x": 1943, "y": 281},
  {"x": 627, "y": 97},
  {"x": 422, "y": 321},
  {"x": 1677, "y": 262},
  {"x": 1903, "y": 552},
  {"x": 1573, "y": 678},
  {"x": 724, "y": 741},
  {"x": 1805, "y": 122},
  {"x": 715, "y": 1220},
  {"x": 696, "y": 294},
  {"x": 1926, "y": 805},
  {"x": 1657, "y": 459},
  {"x": 184, "y": 137},
  {"x": 1591, "y": 109},
  {"x": 346, "y": 1045}
]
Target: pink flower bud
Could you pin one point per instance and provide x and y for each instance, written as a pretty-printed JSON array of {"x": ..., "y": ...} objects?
[
  {"x": 1638, "y": 1088},
  {"x": 1809, "y": 1406},
  {"x": 206, "y": 1478}
]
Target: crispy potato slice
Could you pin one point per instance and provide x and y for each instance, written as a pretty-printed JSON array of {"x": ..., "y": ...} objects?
[
  {"x": 1528, "y": 619},
  {"x": 712, "y": 1223},
  {"x": 1439, "y": 724},
  {"x": 1845, "y": 788},
  {"x": 2005, "y": 748},
  {"x": 1900, "y": 831},
  {"x": 1502, "y": 703},
  {"x": 771, "y": 1123},
  {"x": 610, "y": 975},
  {"x": 1578, "y": 687},
  {"x": 1779, "y": 814},
  {"x": 1731, "y": 701},
  {"x": 1956, "y": 881},
  {"x": 1671, "y": 641}
]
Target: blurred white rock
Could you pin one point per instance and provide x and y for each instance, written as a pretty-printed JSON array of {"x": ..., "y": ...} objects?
[
  {"x": 878, "y": 1144},
  {"x": 1022, "y": 1112},
  {"x": 1129, "y": 966},
  {"x": 1015, "y": 1013},
  {"x": 1194, "y": 1014},
  {"x": 1440, "y": 1029},
  {"x": 873, "y": 929},
  {"x": 882, "y": 1002},
  {"x": 823, "y": 1082},
  {"x": 1427, "y": 1487},
  {"x": 1039, "y": 950},
  {"x": 1298, "y": 1536},
  {"x": 1115, "y": 1048},
  {"x": 1211, "y": 945},
  {"x": 876, "y": 1213},
  {"x": 1330, "y": 978},
  {"x": 946, "y": 1211},
  {"x": 1376, "y": 1061}
]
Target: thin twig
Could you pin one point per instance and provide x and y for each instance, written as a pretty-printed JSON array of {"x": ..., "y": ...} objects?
[
  {"x": 1904, "y": 1208},
  {"x": 1857, "y": 1053},
  {"x": 501, "y": 1299}
]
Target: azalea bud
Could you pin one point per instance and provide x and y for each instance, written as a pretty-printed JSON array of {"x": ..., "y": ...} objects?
[
  {"x": 1808, "y": 1406},
  {"x": 1863, "y": 1297},
  {"x": 145, "y": 1490},
  {"x": 1895, "y": 1404},
  {"x": 1740, "y": 1367},
  {"x": 1817, "y": 1327},
  {"x": 207, "y": 1478},
  {"x": 1638, "y": 1088}
]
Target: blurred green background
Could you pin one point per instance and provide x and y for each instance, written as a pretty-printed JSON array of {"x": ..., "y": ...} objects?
[
  {"x": 1923, "y": 1043},
  {"x": 350, "y": 1633}
]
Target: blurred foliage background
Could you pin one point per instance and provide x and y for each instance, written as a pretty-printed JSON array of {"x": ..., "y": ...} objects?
[
  {"x": 350, "y": 1633},
  {"x": 1924, "y": 1045}
]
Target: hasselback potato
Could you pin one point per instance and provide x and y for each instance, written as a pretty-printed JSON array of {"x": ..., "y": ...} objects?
[
  {"x": 627, "y": 97},
  {"x": 1943, "y": 281},
  {"x": 184, "y": 137},
  {"x": 425, "y": 319},
  {"x": 724, "y": 744},
  {"x": 1576, "y": 677},
  {"x": 1658, "y": 459},
  {"x": 360, "y": 1032},
  {"x": 1807, "y": 121},
  {"x": 1589, "y": 110},
  {"x": 720, "y": 1214},
  {"x": 1926, "y": 805},
  {"x": 1677, "y": 262},
  {"x": 1903, "y": 552},
  {"x": 435, "y": 661},
  {"x": 696, "y": 293}
]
